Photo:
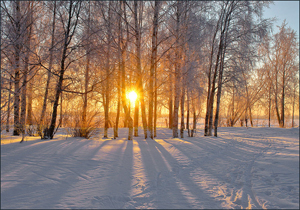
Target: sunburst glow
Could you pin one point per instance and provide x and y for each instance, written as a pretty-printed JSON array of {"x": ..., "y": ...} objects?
[{"x": 132, "y": 96}]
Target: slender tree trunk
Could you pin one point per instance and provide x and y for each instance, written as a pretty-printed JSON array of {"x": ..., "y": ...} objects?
[
  {"x": 188, "y": 113},
  {"x": 152, "y": 68},
  {"x": 176, "y": 105},
  {"x": 29, "y": 104},
  {"x": 276, "y": 95},
  {"x": 177, "y": 72},
  {"x": 16, "y": 131},
  {"x": 25, "y": 72},
  {"x": 194, "y": 123},
  {"x": 141, "y": 88},
  {"x": 23, "y": 98},
  {"x": 61, "y": 110},
  {"x": 155, "y": 97},
  {"x": 50, "y": 68},
  {"x": 206, "y": 123},
  {"x": 106, "y": 105},
  {"x": 118, "y": 106},
  {"x": 250, "y": 116},
  {"x": 220, "y": 78},
  {"x": 124, "y": 87},
  {"x": 136, "y": 118},
  {"x": 216, "y": 121},
  {"x": 232, "y": 110},
  {"x": 293, "y": 111},
  {"x": 130, "y": 126},
  {"x": 138, "y": 67},
  {"x": 212, "y": 92},
  {"x": 67, "y": 40},
  {"x": 269, "y": 106},
  {"x": 182, "y": 111},
  {"x": 56, "y": 99},
  {"x": 86, "y": 77},
  {"x": 120, "y": 37},
  {"x": 282, "y": 100},
  {"x": 8, "y": 107},
  {"x": 85, "y": 99},
  {"x": 123, "y": 57},
  {"x": 170, "y": 99}
]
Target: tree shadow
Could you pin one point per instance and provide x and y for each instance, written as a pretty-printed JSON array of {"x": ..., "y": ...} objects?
[
  {"x": 201, "y": 198},
  {"x": 42, "y": 183},
  {"x": 161, "y": 187}
]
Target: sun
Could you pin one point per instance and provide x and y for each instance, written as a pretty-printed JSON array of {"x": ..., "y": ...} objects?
[{"x": 132, "y": 96}]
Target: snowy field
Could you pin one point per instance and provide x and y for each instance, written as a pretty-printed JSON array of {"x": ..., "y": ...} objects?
[{"x": 242, "y": 168}]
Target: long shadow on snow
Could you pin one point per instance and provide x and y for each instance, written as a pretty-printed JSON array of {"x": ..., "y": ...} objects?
[
  {"x": 112, "y": 197},
  {"x": 241, "y": 158},
  {"x": 155, "y": 167},
  {"x": 205, "y": 199},
  {"x": 214, "y": 157},
  {"x": 209, "y": 144},
  {"x": 46, "y": 185}
]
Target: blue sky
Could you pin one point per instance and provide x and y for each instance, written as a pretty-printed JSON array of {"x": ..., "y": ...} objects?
[{"x": 288, "y": 10}]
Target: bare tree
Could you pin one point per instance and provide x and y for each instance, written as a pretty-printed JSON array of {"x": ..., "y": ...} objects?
[
  {"x": 153, "y": 61},
  {"x": 49, "y": 70},
  {"x": 69, "y": 30}
]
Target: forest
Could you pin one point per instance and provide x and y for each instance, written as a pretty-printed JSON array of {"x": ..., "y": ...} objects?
[{"x": 86, "y": 65}]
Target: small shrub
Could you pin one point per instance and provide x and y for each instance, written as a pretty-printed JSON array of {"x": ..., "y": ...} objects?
[
  {"x": 32, "y": 130},
  {"x": 86, "y": 132}
]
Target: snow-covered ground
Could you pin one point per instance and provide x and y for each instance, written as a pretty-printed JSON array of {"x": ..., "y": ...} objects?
[{"x": 242, "y": 168}]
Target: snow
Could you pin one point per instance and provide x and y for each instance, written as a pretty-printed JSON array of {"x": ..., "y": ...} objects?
[{"x": 242, "y": 168}]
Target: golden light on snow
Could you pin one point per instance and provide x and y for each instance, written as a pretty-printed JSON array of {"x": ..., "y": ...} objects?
[{"x": 132, "y": 96}]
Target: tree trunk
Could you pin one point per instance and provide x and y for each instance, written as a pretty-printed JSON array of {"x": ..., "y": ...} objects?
[
  {"x": 206, "y": 122},
  {"x": 67, "y": 40},
  {"x": 17, "y": 46},
  {"x": 194, "y": 124},
  {"x": 130, "y": 126},
  {"x": 61, "y": 110},
  {"x": 276, "y": 95},
  {"x": 152, "y": 68},
  {"x": 250, "y": 115},
  {"x": 50, "y": 68},
  {"x": 106, "y": 104},
  {"x": 282, "y": 100},
  {"x": 232, "y": 110},
  {"x": 8, "y": 107},
  {"x": 212, "y": 92},
  {"x": 23, "y": 97},
  {"x": 29, "y": 104},
  {"x": 123, "y": 85},
  {"x": 188, "y": 114},
  {"x": 182, "y": 111},
  {"x": 118, "y": 106},
  {"x": 26, "y": 71},
  {"x": 170, "y": 100},
  {"x": 177, "y": 72},
  {"x": 86, "y": 77},
  {"x": 138, "y": 68},
  {"x": 293, "y": 111},
  {"x": 136, "y": 117},
  {"x": 219, "y": 94},
  {"x": 116, "y": 128},
  {"x": 269, "y": 107},
  {"x": 141, "y": 88},
  {"x": 155, "y": 98}
]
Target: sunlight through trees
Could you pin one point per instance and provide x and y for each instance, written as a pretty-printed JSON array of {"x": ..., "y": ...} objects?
[{"x": 73, "y": 64}]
